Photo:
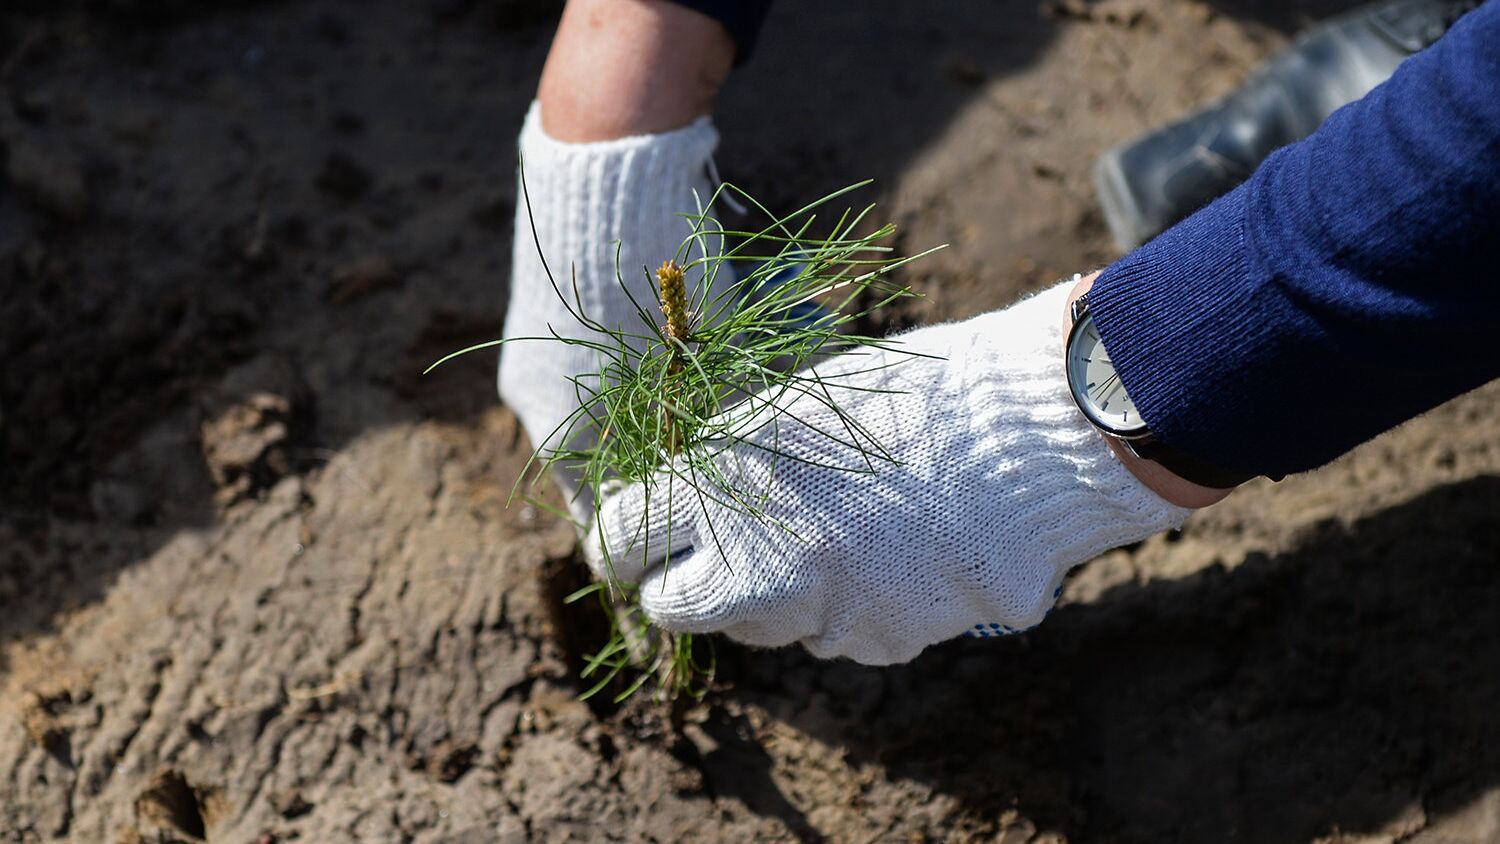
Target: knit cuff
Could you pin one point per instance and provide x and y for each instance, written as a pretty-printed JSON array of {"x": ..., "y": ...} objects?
[
  {"x": 1083, "y": 500},
  {"x": 1079, "y": 499},
  {"x": 691, "y": 143},
  {"x": 1175, "y": 315},
  {"x": 587, "y": 200}
]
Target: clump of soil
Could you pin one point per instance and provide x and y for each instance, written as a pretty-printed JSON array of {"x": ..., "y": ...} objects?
[{"x": 250, "y": 427}]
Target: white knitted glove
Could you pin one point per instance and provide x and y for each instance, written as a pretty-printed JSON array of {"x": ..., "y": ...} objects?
[
  {"x": 1000, "y": 487},
  {"x": 587, "y": 201}
]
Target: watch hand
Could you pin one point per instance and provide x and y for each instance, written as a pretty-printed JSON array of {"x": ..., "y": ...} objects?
[{"x": 1108, "y": 382}]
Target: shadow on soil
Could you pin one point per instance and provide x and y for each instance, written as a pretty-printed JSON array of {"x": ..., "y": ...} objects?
[
  {"x": 312, "y": 201},
  {"x": 236, "y": 238},
  {"x": 1275, "y": 699}
]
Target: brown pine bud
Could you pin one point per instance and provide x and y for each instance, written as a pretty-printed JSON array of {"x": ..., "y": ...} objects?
[{"x": 674, "y": 299}]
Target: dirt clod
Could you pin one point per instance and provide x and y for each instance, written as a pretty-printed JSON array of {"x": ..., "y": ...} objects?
[
  {"x": 362, "y": 277},
  {"x": 250, "y": 428},
  {"x": 172, "y": 810},
  {"x": 290, "y": 804},
  {"x": 450, "y": 760}
]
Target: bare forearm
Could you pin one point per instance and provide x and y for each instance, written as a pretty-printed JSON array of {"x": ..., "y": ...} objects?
[{"x": 631, "y": 67}]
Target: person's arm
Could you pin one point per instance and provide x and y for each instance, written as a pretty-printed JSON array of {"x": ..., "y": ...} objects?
[
  {"x": 1352, "y": 283},
  {"x": 1154, "y": 476},
  {"x": 615, "y": 149},
  {"x": 620, "y": 68}
]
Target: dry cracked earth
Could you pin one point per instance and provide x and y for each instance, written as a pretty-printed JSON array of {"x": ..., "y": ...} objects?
[{"x": 259, "y": 581}]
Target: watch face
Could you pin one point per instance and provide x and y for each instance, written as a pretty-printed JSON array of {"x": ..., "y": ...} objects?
[{"x": 1095, "y": 384}]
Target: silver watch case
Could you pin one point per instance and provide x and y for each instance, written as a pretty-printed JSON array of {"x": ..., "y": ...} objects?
[{"x": 1136, "y": 434}]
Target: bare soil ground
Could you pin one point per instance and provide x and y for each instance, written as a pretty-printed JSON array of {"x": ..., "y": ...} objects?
[{"x": 258, "y": 581}]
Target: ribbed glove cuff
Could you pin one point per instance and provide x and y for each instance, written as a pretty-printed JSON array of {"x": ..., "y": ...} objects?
[{"x": 595, "y": 209}]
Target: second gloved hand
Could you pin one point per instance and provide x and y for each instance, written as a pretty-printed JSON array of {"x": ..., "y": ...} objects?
[
  {"x": 601, "y": 213},
  {"x": 995, "y": 485}
]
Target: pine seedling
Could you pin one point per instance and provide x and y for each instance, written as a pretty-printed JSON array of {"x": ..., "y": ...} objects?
[{"x": 717, "y": 358}]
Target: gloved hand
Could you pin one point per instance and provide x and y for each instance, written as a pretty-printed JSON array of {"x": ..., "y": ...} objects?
[
  {"x": 998, "y": 485},
  {"x": 588, "y": 201}
]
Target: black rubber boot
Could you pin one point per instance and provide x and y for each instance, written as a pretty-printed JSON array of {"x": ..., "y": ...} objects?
[{"x": 1150, "y": 183}]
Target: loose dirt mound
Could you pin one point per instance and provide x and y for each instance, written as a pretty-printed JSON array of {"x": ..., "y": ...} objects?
[{"x": 260, "y": 581}]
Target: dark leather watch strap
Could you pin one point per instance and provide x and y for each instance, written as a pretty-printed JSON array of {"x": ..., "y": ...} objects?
[{"x": 1188, "y": 467}]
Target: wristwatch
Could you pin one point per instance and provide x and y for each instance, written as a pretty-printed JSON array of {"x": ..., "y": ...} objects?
[{"x": 1099, "y": 394}]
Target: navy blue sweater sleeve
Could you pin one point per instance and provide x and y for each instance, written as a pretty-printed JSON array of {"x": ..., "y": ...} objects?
[
  {"x": 1352, "y": 283},
  {"x": 743, "y": 19}
]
